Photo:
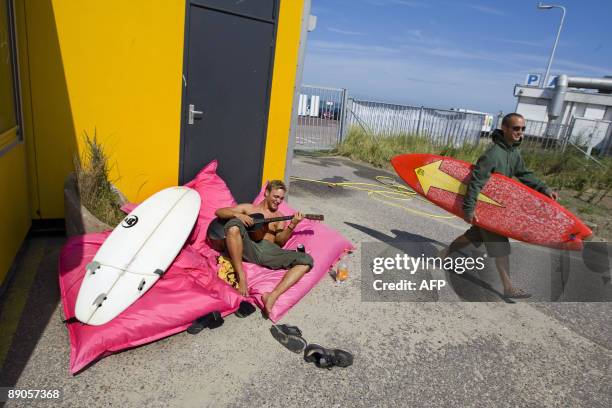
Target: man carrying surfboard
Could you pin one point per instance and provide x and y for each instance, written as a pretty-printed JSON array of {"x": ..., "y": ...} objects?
[
  {"x": 505, "y": 158},
  {"x": 266, "y": 250}
]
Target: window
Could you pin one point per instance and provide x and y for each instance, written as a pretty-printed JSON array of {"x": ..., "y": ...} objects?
[{"x": 10, "y": 106}]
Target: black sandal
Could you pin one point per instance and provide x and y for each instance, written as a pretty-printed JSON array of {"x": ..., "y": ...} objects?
[
  {"x": 289, "y": 336},
  {"x": 327, "y": 358},
  {"x": 245, "y": 309},
  {"x": 212, "y": 320}
]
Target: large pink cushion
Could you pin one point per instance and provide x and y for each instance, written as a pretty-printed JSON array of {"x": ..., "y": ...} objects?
[{"x": 190, "y": 288}]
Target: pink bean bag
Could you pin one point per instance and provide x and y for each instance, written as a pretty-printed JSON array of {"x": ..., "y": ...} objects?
[{"x": 190, "y": 288}]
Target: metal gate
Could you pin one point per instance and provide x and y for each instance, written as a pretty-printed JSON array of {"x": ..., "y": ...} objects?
[{"x": 320, "y": 118}]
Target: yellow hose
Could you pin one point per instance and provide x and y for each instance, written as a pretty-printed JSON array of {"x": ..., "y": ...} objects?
[{"x": 389, "y": 194}]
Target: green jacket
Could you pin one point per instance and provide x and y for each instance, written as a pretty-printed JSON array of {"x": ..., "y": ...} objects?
[{"x": 503, "y": 159}]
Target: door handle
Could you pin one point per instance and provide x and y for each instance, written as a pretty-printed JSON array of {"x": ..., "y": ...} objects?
[{"x": 193, "y": 114}]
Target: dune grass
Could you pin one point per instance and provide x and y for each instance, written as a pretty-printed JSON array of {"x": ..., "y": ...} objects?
[
  {"x": 560, "y": 170},
  {"x": 95, "y": 188}
]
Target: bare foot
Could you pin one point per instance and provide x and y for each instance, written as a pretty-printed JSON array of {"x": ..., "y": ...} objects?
[
  {"x": 516, "y": 293},
  {"x": 243, "y": 288},
  {"x": 268, "y": 301}
]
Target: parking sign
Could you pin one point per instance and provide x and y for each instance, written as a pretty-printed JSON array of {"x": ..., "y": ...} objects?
[{"x": 533, "y": 79}]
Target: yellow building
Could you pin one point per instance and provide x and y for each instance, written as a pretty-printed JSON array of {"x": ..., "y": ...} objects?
[{"x": 165, "y": 85}]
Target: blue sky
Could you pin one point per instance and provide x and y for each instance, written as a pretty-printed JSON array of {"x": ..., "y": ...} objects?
[{"x": 442, "y": 53}]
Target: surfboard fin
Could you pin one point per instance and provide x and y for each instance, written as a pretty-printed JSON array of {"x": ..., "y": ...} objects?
[
  {"x": 101, "y": 298},
  {"x": 92, "y": 266},
  {"x": 159, "y": 272},
  {"x": 142, "y": 283}
]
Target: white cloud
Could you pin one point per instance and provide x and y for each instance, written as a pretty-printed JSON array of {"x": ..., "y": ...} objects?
[
  {"x": 435, "y": 76},
  {"x": 410, "y": 3},
  {"x": 560, "y": 64},
  {"x": 407, "y": 3},
  {"x": 405, "y": 51},
  {"x": 463, "y": 54},
  {"x": 414, "y": 81},
  {"x": 583, "y": 67},
  {"x": 486, "y": 9},
  {"x": 520, "y": 42},
  {"x": 318, "y": 9},
  {"x": 349, "y": 47},
  {"x": 344, "y": 32},
  {"x": 417, "y": 36}
]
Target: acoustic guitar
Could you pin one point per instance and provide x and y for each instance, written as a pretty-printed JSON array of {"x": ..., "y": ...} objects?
[{"x": 216, "y": 230}]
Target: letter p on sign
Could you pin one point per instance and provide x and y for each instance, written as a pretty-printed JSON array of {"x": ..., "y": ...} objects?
[{"x": 533, "y": 79}]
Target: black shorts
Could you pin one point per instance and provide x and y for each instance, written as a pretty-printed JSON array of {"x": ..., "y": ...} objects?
[{"x": 496, "y": 245}]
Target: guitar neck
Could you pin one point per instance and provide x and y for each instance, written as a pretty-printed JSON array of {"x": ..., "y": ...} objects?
[{"x": 288, "y": 217}]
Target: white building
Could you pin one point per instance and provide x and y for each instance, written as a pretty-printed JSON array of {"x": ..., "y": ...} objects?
[{"x": 580, "y": 107}]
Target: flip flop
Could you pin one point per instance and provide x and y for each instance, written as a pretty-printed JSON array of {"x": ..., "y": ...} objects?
[
  {"x": 517, "y": 294},
  {"x": 244, "y": 310},
  {"x": 289, "y": 336},
  {"x": 212, "y": 320},
  {"x": 327, "y": 358}
]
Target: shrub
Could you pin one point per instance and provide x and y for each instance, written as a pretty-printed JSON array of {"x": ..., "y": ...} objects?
[
  {"x": 567, "y": 170},
  {"x": 96, "y": 191}
]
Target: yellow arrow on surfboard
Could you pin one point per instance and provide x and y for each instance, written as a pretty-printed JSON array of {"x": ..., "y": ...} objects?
[{"x": 430, "y": 175}]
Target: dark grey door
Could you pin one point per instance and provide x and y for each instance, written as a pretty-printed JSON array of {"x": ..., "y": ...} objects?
[{"x": 228, "y": 72}]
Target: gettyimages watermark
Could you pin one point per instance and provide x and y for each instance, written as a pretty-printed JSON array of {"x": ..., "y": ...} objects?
[{"x": 419, "y": 272}]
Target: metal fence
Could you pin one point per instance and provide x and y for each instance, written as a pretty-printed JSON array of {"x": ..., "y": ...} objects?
[
  {"x": 326, "y": 115},
  {"x": 539, "y": 135},
  {"x": 591, "y": 136},
  {"x": 319, "y": 121},
  {"x": 588, "y": 136},
  {"x": 438, "y": 125}
]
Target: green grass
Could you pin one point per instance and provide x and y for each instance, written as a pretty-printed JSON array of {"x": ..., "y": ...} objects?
[
  {"x": 560, "y": 170},
  {"x": 586, "y": 210},
  {"x": 572, "y": 170},
  {"x": 95, "y": 189},
  {"x": 378, "y": 150}
]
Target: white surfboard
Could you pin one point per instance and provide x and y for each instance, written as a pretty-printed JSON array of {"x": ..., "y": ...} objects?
[{"x": 136, "y": 254}]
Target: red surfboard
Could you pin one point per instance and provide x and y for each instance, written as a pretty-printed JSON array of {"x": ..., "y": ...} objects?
[{"x": 505, "y": 206}]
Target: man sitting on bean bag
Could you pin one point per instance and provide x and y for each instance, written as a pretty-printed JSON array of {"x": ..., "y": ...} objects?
[{"x": 264, "y": 246}]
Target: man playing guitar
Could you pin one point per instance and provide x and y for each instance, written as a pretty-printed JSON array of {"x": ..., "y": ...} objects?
[{"x": 263, "y": 247}]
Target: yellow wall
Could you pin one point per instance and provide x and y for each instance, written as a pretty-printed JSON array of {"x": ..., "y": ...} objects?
[
  {"x": 14, "y": 201},
  {"x": 14, "y": 205},
  {"x": 283, "y": 83},
  {"x": 27, "y": 125},
  {"x": 112, "y": 68}
]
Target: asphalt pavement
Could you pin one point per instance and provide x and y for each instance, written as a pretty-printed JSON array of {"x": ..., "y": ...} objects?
[{"x": 462, "y": 345}]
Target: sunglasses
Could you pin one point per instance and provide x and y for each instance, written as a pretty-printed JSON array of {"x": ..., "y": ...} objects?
[{"x": 517, "y": 128}]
